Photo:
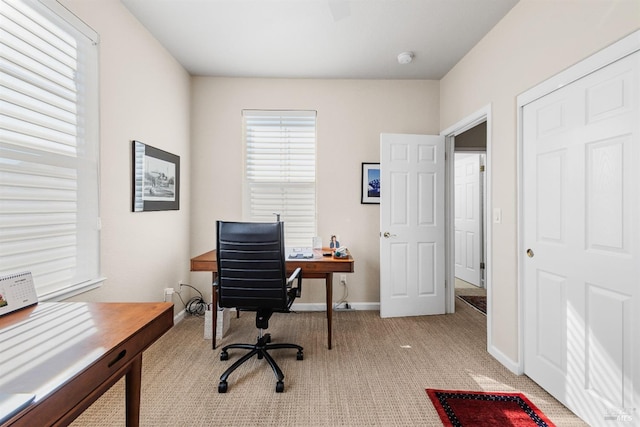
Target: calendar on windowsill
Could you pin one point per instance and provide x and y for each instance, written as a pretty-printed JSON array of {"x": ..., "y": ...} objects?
[{"x": 16, "y": 291}]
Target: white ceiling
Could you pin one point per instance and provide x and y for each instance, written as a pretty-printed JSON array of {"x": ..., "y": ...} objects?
[{"x": 357, "y": 39}]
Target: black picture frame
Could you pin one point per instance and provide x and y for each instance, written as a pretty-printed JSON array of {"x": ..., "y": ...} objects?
[
  {"x": 155, "y": 179},
  {"x": 370, "y": 184}
]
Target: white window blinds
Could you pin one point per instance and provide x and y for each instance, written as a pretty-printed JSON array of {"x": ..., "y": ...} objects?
[
  {"x": 280, "y": 171},
  {"x": 48, "y": 147}
]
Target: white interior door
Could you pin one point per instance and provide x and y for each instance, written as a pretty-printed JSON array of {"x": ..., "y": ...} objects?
[
  {"x": 412, "y": 221},
  {"x": 581, "y": 224},
  {"x": 467, "y": 237}
]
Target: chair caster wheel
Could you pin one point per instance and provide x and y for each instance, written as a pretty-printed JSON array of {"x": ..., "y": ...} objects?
[
  {"x": 224, "y": 355},
  {"x": 299, "y": 356},
  {"x": 279, "y": 387},
  {"x": 222, "y": 387}
]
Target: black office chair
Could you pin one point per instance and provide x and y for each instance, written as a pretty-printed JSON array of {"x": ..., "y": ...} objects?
[{"x": 252, "y": 277}]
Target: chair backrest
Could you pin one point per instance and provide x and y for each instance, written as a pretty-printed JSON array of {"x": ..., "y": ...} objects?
[{"x": 251, "y": 265}]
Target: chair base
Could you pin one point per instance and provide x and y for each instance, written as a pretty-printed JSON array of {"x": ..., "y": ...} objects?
[{"x": 260, "y": 349}]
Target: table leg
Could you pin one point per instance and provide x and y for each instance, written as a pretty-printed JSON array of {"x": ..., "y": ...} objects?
[
  {"x": 329, "y": 292},
  {"x": 214, "y": 311},
  {"x": 133, "y": 382}
]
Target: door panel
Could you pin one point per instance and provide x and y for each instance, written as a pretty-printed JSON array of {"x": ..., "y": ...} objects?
[
  {"x": 427, "y": 269},
  {"x": 551, "y": 175},
  {"x": 607, "y": 319},
  {"x": 412, "y": 225},
  {"x": 426, "y": 207},
  {"x": 551, "y": 321},
  {"x": 467, "y": 219},
  {"x": 581, "y": 213},
  {"x": 605, "y": 196},
  {"x": 399, "y": 259}
]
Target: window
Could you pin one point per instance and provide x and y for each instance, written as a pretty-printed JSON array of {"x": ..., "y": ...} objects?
[
  {"x": 280, "y": 171},
  {"x": 49, "y": 147}
]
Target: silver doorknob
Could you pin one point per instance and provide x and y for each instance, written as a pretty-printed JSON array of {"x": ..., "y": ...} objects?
[
  {"x": 387, "y": 234},
  {"x": 530, "y": 253}
]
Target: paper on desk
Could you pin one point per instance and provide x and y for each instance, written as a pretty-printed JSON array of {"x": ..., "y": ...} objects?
[{"x": 299, "y": 253}]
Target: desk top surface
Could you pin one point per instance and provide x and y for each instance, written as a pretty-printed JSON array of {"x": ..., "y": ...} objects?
[
  {"x": 44, "y": 346},
  {"x": 210, "y": 256},
  {"x": 207, "y": 262}
]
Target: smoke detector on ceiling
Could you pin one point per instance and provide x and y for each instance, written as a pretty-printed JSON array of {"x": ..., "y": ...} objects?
[{"x": 405, "y": 58}]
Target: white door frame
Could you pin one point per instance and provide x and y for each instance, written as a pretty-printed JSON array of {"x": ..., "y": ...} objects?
[
  {"x": 482, "y": 115},
  {"x": 601, "y": 59}
]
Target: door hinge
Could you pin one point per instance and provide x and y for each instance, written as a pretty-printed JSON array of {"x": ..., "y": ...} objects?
[
  {"x": 482, "y": 266},
  {"x": 481, "y": 168}
]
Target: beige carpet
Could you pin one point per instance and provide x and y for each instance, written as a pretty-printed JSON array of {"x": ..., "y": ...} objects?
[{"x": 375, "y": 375}]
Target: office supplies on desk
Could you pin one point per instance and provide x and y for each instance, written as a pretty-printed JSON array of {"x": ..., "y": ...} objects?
[
  {"x": 299, "y": 253},
  {"x": 317, "y": 242},
  {"x": 16, "y": 291},
  {"x": 341, "y": 252}
]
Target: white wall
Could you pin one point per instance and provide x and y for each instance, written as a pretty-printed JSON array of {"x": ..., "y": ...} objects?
[
  {"x": 144, "y": 95},
  {"x": 536, "y": 40},
  {"x": 351, "y": 116}
]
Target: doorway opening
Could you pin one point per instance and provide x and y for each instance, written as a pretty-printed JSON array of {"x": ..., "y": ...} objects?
[
  {"x": 468, "y": 212},
  {"x": 469, "y": 138}
]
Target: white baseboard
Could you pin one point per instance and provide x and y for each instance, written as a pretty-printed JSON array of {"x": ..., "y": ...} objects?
[
  {"x": 178, "y": 317},
  {"x": 306, "y": 306},
  {"x": 508, "y": 363}
]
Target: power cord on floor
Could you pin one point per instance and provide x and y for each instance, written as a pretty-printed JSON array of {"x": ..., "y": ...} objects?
[
  {"x": 343, "y": 301},
  {"x": 196, "y": 306}
]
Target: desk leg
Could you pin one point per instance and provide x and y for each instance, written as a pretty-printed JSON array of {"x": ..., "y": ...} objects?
[
  {"x": 133, "y": 386},
  {"x": 329, "y": 292},
  {"x": 214, "y": 311}
]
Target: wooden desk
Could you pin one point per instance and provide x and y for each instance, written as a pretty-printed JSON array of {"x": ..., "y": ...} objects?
[
  {"x": 69, "y": 354},
  {"x": 319, "y": 267}
]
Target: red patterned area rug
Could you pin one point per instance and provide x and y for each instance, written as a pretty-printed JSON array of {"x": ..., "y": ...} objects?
[{"x": 477, "y": 408}]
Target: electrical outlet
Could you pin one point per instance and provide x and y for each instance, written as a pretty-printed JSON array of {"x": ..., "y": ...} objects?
[
  {"x": 343, "y": 279},
  {"x": 168, "y": 291}
]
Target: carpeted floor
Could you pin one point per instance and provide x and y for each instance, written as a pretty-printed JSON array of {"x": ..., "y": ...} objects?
[{"x": 375, "y": 375}]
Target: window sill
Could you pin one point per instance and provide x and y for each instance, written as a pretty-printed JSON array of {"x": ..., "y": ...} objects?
[{"x": 73, "y": 290}]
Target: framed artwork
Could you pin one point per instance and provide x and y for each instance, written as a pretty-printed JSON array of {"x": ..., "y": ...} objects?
[
  {"x": 370, "y": 186},
  {"x": 155, "y": 179}
]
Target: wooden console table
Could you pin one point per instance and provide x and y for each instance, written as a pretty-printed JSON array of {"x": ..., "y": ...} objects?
[
  {"x": 318, "y": 267},
  {"x": 68, "y": 354}
]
